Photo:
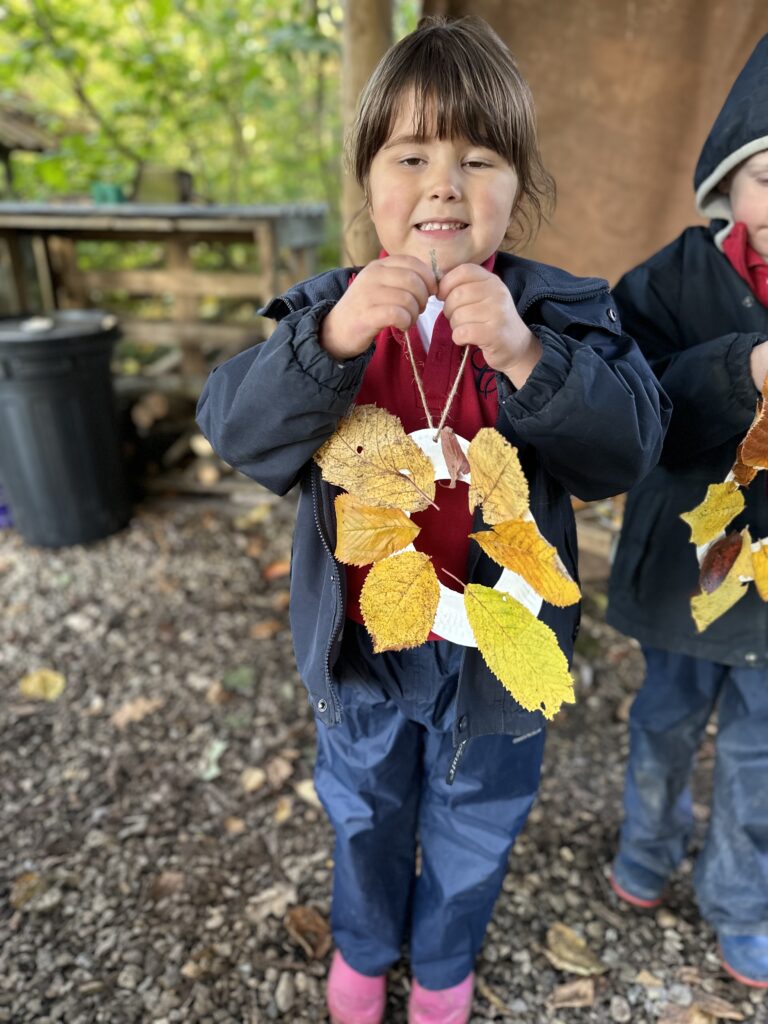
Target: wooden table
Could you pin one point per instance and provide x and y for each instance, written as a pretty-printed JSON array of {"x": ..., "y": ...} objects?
[{"x": 41, "y": 241}]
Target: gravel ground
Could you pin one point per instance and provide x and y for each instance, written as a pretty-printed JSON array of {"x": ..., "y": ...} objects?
[{"x": 158, "y": 832}]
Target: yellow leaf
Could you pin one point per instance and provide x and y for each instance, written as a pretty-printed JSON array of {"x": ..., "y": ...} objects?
[
  {"x": 399, "y": 601},
  {"x": 497, "y": 481},
  {"x": 518, "y": 545},
  {"x": 367, "y": 534},
  {"x": 722, "y": 503},
  {"x": 43, "y": 684},
  {"x": 760, "y": 567},
  {"x": 706, "y": 608},
  {"x": 569, "y": 952},
  {"x": 372, "y": 457},
  {"x": 521, "y": 651}
]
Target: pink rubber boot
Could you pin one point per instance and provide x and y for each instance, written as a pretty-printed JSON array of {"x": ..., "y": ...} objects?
[
  {"x": 354, "y": 998},
  {"x": 444, "y": 1006}
]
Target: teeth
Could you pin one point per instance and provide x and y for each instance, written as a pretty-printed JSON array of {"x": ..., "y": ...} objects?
[{"x": 434, "y": 226}]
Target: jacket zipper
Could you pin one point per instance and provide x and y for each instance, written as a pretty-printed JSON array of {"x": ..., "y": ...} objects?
[{"x": 335, "y": 631}]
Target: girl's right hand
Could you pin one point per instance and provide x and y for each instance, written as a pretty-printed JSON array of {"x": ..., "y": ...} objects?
[{"x": 390, "y": 292}]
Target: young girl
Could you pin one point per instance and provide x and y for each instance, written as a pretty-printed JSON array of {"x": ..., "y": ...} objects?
[{"x": 425, "y": 744}]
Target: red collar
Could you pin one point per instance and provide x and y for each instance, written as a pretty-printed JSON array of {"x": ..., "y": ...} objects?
[{"x": 746, "y": 261}]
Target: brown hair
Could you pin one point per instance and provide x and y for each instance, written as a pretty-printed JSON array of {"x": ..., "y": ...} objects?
[{"x": 466, "y": 84}]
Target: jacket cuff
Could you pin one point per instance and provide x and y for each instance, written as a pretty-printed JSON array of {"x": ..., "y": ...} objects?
[
  {"x": 314, "y": 361},
  {"x": 545, "y": 380}
]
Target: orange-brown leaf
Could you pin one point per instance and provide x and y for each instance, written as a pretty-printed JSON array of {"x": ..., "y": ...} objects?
[
  {"x": 742, "y": 474},
  {"x": 706, "y": 608},
  {"x": 754, "y": 448},
  {"x": 718, "y": 560},
  {"x": 455, "y": 459}
]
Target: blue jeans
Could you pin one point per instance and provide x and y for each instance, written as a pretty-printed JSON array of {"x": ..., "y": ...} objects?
[
  {"x": 667, "y": 722},
  {"x": 381, "y": 777}
]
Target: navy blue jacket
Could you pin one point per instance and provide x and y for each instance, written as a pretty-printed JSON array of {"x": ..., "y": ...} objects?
[
  {"x": 696, "y": 322},
  {"x": 589, "y": 421}
]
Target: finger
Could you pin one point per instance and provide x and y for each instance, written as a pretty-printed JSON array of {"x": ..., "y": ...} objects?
[
  {"x": 465, "y": 273},
  {"x": 471, "y": 294},
  {"x": 416, "y": 265}
]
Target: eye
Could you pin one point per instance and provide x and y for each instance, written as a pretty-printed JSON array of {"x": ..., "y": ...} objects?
[
  {"x": 411, "y": 161},
  {"x": 476, "y": 163}
]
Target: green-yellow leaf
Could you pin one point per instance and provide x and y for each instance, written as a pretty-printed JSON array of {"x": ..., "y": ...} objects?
[
  {"x": 518, "y": 545},
  {"x": 367, "y": 534},
  {"x": 399, "y": 601},
  {"x": 372, "y": 457},
  {"x": 497, "y": 480},
  {"x": 43, "y": 684},
  {"x": 721, "y": 504},
  {"x": 521, "y": 651}
]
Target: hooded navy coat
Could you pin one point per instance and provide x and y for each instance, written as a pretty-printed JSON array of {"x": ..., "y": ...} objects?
[
  {"x": 697, "y": 321},
  {"x": 589, "y": 421}
]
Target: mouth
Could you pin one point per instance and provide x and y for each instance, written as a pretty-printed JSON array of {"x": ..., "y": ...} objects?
[{"x": 441, "y": 225}]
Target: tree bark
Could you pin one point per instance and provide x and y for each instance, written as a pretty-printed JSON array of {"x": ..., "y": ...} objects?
[{"x": 366, "y": 37}]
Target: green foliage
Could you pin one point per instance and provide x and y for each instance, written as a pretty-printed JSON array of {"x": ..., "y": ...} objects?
[{"x": 241, "y": 93}]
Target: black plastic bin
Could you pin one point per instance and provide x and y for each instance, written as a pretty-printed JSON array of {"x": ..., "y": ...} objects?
[{"x": 60, "y": 459}]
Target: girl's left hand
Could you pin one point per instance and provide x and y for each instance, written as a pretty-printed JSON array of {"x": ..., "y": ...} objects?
[{"x": 481, "y": 312}]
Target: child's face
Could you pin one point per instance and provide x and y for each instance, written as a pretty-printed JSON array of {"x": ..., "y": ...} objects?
[
  {"x": 443, "y": 194},
  {"x": 749, "y": 200}
]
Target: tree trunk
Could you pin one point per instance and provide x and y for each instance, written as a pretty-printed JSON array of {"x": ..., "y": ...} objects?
[
  {"x": 367, "y": 36},
  {"x": 625, "y": 94}
]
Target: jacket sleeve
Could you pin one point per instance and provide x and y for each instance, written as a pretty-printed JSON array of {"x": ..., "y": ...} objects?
[
  {"x": 710, "y": 383},
  {"x": 591, "y": 407},
  {"x": 268, "y": 409}
]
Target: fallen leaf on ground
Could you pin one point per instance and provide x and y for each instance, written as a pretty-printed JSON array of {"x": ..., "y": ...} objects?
[
  {"x": 372, "y": 457},
  {"x": 485, "y": 990},
  {"x": 255, "y": 548},
  {"x": 283, "y": 810},
  {"x": 276, "y": 570},
  {"x": 234, "y": 826},
  {"x": 716, "y": 1007},
  {"x": 42, "y": 684},
  {"x": 721, "y": 504},
  {"x": 518, "y": 546},
  {"x": 271, "y": 902},
  {"x": 521, "y": 651},
  {"x": 366, "y": 533},
  {"x": 310, "y": 929},
  {"x": 254, "y": 516},
  {"x": 281, "y": 600},
  {"x": 209, "y": 767},
  {"x": 216, "y": 694},
  {"x": 167, "y": 883},
  {"x": 569, "y": 952},
  {"x": 672, "y": 1014},
  {"x": 278, "y": 770},
  {"x": 399, "y": 601},
  {"x": 266, "y": 629},
  {"x": 574, "y": 993},
  {"x": 306, "y": 791},
  {"x": 135, "y": 710},
  {"x": 252, "y": 779},
  {"x": 648, "y": 980},
  {"x": 25, "y": 888},
  {"x": 497, "y": 482}
]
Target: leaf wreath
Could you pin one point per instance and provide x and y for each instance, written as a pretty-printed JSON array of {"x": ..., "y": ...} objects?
[{"x": 386, "y": 475}]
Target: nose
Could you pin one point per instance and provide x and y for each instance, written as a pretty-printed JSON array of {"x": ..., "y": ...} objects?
[{"x": 445, "y": 183}]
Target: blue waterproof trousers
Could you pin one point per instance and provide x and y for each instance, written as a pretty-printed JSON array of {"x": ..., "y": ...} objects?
[
  {"x": 381, "y": 775},
  {"x": 667, "y": 722}
]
